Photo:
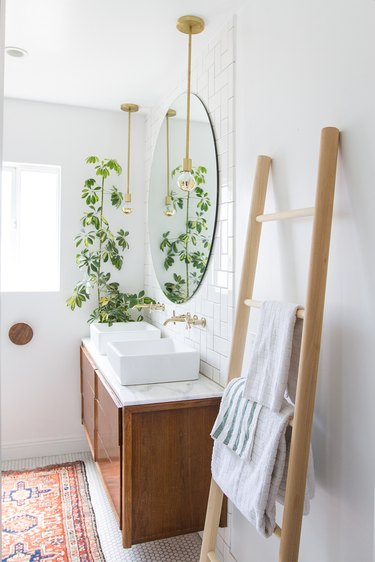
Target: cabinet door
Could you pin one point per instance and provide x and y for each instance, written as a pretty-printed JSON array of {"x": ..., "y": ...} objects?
[
  {"x": 167, "y": 473},
  {"x": 108, "y": 441},
  {"x": 88, "y": 397}
]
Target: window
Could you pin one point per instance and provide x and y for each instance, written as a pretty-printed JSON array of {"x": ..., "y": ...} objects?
[{"x": 30, "y": 228}]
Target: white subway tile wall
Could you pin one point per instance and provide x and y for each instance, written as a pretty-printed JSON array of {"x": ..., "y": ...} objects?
[{"x": 213, "y": 82}]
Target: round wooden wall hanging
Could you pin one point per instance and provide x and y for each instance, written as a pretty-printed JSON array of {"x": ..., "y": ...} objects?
[{"x": 20, "y": 333}]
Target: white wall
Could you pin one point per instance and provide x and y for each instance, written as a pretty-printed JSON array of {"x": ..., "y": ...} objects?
[
  {"x": 302, "y": 66},
  {"x": 40, "y": 381},
  {"x": 2, "y": 41}
]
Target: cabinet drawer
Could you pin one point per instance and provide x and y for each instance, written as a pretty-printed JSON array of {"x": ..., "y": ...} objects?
[
  {"x": 88, "y": 419},
  {"x": 111, "y": 410},
  {"x": 87, "y": 370},
  {"x": 108, "y": 441},
  {"x": 88, "y": 398}
]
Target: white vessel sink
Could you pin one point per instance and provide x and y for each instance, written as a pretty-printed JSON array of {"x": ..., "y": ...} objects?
[
  {"x": 147, "y": 362},
  {"x": 102, "y": 334}
]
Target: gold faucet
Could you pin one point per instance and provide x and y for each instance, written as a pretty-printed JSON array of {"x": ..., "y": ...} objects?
[
  {"x": 187, "y": 318},
  {"x": 195, "y": 321},
  {"x": 151, "y": 306},
  {"x": 174, "y": 318}
]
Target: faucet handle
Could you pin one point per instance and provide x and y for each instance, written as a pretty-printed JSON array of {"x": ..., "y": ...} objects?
[
  {"x": 188, "y": 321},
  {"x": 194, "y": 320}
]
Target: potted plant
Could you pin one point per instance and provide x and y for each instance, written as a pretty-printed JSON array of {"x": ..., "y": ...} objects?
[{"x": 98, "y": 246}]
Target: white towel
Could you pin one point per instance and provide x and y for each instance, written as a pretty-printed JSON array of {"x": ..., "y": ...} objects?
[
  {"x": 271, "y": 359},
  {"x": 254, "y": 482},
  {"x": 253, "y": 485}
]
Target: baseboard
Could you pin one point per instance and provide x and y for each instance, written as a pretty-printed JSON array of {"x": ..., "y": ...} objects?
[{"x": 43, "y": 448}]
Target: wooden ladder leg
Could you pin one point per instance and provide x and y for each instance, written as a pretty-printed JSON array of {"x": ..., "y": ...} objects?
[
  {"x": 239, "y": 335},
  {"x": 250, "y": 259},
  {"x": 215, "y": 502},
  {"x": 310, "y": 347}
]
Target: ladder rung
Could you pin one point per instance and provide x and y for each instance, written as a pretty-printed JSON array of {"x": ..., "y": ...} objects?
[
  {"x": 257, "y": 304},
  {"x": 277, "y": 531},
  {"x": 284, "y": 215},
  {"x": 212, "y": 556}
]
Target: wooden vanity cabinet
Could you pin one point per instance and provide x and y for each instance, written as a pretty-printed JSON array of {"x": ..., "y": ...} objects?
[{"x": 154, "y": 459}]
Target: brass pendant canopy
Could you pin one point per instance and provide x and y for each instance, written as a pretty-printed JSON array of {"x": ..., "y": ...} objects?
[
  {"x": 130, "y": 107},
  {"x": 190, "y": 25}
]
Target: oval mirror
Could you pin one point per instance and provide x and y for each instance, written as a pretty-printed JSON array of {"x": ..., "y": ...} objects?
[{"x": 182, "y": 223}]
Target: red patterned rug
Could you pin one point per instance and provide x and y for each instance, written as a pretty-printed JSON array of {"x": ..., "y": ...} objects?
[{"x": 47, "y": 515}]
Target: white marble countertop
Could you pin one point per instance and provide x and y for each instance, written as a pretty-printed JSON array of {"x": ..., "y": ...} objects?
[{"x": 152, "y": 393}]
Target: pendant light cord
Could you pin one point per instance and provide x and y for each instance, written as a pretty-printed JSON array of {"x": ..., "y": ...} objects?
[
  {"x": 168, "y": 185},
  {"x": 128, "y": 181},
  {"x": 188, "y": 98}
]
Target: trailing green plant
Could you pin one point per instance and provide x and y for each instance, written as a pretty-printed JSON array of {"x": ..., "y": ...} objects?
[
  {"x": 98, "y": 246},
  {"x": 192, "y": 246}
]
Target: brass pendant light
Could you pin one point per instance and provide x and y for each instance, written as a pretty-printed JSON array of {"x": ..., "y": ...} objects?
[
  {"x": 129, "y": 108},
  {"x": 191, "y": 25},
  {"x": 169, "y": 210}
]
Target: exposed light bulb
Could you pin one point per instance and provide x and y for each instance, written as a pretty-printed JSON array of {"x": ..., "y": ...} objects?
[
  {"x": 169, "y": 211},
  {"x": 127, "y": 209},
  {"x": 186, "y": 181}
]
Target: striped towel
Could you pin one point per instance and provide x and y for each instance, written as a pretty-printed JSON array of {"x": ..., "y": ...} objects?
[{"x": 237, "y": 420}]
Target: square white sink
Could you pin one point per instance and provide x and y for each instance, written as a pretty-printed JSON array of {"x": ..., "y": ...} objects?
[
  {"x": 102, "y": 334},
  {"x": 147, "y": 362}
]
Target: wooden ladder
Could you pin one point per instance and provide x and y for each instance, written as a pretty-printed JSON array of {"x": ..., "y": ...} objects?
[{"x": 290, "y": 532}]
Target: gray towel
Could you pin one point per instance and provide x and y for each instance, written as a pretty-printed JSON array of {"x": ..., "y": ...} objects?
[{"x": 275, "y": 356}]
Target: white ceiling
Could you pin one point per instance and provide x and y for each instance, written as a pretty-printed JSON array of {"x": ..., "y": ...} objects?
[{"x": 101, "y": 53}]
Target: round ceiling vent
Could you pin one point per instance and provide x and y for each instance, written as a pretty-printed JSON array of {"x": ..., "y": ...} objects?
[{"x": 16, "y": 52}]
